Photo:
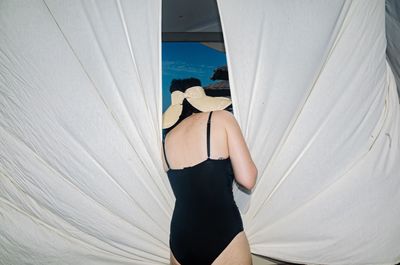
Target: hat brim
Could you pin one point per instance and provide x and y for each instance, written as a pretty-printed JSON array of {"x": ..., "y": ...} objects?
[
  {"x": 171, "y": 115},
  {"x": 208, "y": 103},
  {"x": 204, "y": 104}
]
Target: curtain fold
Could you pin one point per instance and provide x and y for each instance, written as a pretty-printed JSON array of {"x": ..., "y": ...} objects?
[
  {"x": 81, "y": 177},
  {"x": 81, "y": 180},
  {"x": 319, "y": 110}
]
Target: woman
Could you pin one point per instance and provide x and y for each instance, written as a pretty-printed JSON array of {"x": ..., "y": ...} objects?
[{"x": 204, "y": 150}]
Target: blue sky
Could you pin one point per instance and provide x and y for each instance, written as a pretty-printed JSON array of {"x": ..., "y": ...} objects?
[{"x": 188, "y": 59}]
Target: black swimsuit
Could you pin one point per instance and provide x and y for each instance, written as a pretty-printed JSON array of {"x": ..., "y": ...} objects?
[{"x": 205, "y": 217}]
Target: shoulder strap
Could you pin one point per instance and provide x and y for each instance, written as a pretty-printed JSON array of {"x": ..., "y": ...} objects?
[
  {"x": 208, "y": 135},
  {"x": 165, "y": 156}
]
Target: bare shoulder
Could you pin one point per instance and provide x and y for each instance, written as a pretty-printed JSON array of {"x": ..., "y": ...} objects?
[
  {"x": 224, "y": 113},
  {"x": 228, "y": 120},
  {"x": 225, "y": 116},
  {"x": 245, "y": 170}
]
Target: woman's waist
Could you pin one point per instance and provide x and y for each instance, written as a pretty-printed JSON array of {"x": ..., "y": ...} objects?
[
  {"x": 205, "y": 210},
  {"x": 205, "y": 202},
  {"x": 194, "y": 218}
]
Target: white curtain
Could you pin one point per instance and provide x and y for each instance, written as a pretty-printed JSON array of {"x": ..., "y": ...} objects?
[
  {"x": 319, "y": 109},
  {"x": 81, "y": 178}
]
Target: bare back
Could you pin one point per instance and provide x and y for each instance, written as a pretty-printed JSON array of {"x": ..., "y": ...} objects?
[{"x": 185, "y": 145}]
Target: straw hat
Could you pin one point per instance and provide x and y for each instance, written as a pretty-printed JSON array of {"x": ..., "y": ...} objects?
[{"x": 196, "y": 96}]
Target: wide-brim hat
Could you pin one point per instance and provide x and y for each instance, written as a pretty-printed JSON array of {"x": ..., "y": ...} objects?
[{"x": 196, "y": 96}]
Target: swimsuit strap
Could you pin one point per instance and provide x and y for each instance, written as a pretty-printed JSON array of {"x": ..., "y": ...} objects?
[
  {"x": 208, "y": 135},
  {"x": 165, "y": 155}
]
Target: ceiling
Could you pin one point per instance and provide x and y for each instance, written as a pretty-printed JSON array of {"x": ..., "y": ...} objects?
[
  {"x": 198, "y": 20},
  {"x": 191, "y": 20}
]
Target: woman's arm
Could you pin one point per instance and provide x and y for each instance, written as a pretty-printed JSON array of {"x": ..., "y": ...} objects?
[{"x": 244, "y": 169}]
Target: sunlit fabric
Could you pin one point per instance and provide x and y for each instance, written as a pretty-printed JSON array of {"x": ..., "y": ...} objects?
[
  {"x": 81, "y": 178},
  {"x": 81, "y": 175},
  {"x": 318, "y": 106}
]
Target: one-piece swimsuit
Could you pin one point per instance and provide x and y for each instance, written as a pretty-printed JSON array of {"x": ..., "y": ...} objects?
[{"x": 205, "y": 217}]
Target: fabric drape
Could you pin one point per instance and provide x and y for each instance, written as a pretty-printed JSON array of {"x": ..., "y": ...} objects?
[
  {"x": 81, "y": 176},
  {"x": 81, "y": 179},
  {"x": 318, "y": 105}
]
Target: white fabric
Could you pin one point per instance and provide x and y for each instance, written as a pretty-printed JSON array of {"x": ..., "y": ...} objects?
[
  {"x": 81, "y": 177},
  {"x": 319, "y": 109}
]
